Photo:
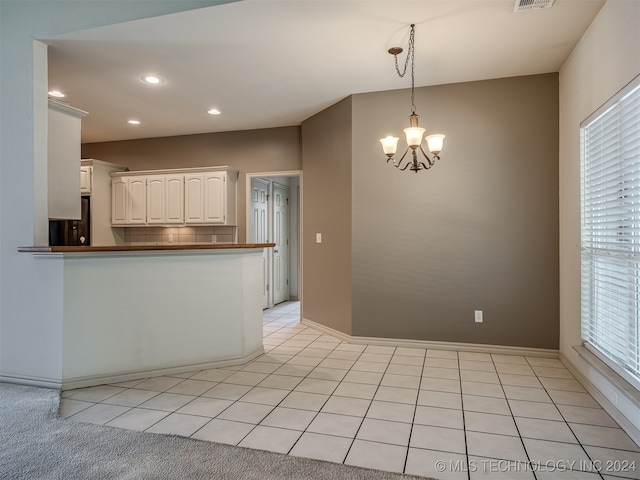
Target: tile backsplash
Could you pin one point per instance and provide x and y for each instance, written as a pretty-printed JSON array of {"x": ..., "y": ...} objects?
[{"x": 178, "y": 235}]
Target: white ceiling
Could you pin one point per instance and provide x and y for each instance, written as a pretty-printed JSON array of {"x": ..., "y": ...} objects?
[{"x": 271, "y": 63}]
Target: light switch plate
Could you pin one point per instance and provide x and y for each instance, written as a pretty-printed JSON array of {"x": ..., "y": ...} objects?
[{"x": 318, "y": 238}]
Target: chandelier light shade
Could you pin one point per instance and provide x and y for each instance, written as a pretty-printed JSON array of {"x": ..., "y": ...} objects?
[{"x": 413, "y": 134}]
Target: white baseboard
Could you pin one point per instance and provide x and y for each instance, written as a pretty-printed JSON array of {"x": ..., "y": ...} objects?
[
  {"x": 629, "y": 427},
  {"x": 328, "y": 330},
  {"x": 81, "y": 382},
  {"x": 90, "y": 381},
  {"x": 31, "y": 381},
  {"x": 463, "y": 347}
]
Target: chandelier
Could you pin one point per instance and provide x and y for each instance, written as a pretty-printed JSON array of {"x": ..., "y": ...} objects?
[{"x": 414, "y": 133}]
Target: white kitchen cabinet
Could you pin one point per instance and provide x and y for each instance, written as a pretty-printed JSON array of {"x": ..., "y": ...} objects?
[
  {"x": 102, "y": 233},
  {"x": 129, "y": 200},
  {"x": 137, "y": 200},
  {"x": 63, "y": 161},
  {"x": 165, "y": 199},
  {"x": 210, "y": 198},
  {"x": 86, "y": 177},
  {"x": 205, "y": 198},
  {"x": 215, "y": 201},
  {"x": 195, "y": 196},
  {"x": 156, "y": 185},
  {"x": 174, "y": 205},
  {"x": 119, "y": 201}
]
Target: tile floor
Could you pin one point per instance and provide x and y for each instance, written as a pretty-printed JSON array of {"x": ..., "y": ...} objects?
[{"x": 445, "y": 414}]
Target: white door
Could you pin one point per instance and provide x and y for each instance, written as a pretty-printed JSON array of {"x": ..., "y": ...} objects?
[
  {"x": 281, "y": 239},
  {"x": 260, "y": 228}
]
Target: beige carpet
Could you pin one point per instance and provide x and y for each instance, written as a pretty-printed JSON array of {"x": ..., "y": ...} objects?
[{"x": 36, "y": 444}]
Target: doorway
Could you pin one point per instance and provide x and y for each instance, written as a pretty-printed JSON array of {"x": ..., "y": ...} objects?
[{"x": 274, "y": 216}]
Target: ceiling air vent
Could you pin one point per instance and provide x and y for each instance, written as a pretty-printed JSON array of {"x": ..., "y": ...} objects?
[{"x": 523, "y": 5}]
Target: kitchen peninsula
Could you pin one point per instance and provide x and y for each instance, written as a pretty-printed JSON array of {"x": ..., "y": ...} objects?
[{"x": 127, "y": 312}]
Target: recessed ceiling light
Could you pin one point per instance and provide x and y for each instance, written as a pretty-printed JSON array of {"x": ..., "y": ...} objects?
[
  {"x": 56, "y": 93},
  {"x": 214, "y": 111},
  {"x": 133, "y": 122},
  {"x": 152, "y": 79}
]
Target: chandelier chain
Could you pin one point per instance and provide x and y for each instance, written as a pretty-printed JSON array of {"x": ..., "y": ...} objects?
[
  {"x": 410, "y": 55},
  {"x": 414, "y": 134}
]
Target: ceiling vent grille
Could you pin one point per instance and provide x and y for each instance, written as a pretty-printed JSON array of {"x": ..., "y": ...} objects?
[{"x": 523, "y": 5}]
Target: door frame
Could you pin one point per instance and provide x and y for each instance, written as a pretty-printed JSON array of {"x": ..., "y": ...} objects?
[{"x": 286, "y": 173}]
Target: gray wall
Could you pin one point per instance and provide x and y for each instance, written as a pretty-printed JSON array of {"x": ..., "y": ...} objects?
[
  {"x": 409, "y": 255},
  {"x": 479, "y": 231},
  {"x": 326, "y": 204},
  {"x": 267, "y": 150}
]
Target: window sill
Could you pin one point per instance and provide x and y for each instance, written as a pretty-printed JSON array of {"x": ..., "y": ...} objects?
[{"x": 624, "y": 387}]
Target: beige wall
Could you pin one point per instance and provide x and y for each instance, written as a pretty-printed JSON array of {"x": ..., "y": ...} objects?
[
  {"x": 476, "y": 232},
  {"x": 267, "y": 150},
  {"x": 326, "y": 267},
  {"x": 605, "y": 60}
]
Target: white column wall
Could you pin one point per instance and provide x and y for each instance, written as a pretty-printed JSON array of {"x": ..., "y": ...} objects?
[
  {"x": 604, "y": 61},
  {"x": 30, "y": 301}
]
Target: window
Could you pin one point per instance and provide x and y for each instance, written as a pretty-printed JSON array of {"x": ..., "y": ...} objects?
[{"x": 610, "y": 232}]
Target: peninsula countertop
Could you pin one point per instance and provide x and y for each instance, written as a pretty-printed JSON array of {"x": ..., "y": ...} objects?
[
  {"x": 143, "y": 248},
  {"x": 129, "y": 312}
]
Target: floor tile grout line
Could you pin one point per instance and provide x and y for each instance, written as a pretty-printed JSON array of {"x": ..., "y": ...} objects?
[
  {"x": 216, "y": 416},
  {"x": 136, "y": 406},
  {"x": 567, "y": 423},
  {"x": 368, "y": 408},
  {"x": 563, "y": 417},
  {"x": 156, "y": 422},
  {"x": 326, "y": 401},
  {"x": 101, "y": 403},
  {"x": 293, "y": 331},
  {"x": 415, "y": 410},
  {"x": 513, "y": 418},
  {"x": 234, "y": 402},
  {"x": 464, "y": 422}
]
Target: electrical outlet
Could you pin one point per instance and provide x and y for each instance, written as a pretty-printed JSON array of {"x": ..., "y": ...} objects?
[
  {"x": 214, "y": 238},
  {"x": 318, "y": 238},
  {"x": 478, "y": 316},
  {"x": 171, "y": 238}
]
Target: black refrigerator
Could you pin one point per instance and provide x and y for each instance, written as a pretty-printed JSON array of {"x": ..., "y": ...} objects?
[{"x": 72, "y": 232}]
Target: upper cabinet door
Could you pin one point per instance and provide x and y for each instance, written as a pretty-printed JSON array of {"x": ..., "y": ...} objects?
[
  {"x": 63, "y": 161},
  {"x": 137, "y": 200},
  {"x": 119, "y": 198},
  {"x": 85, "y": 180},
  {"x": 156, "y": 199},
  {"x": 174, "y": 196},
  {"x": 194, "y": 198},
  {"x": 215, "y": 197}
]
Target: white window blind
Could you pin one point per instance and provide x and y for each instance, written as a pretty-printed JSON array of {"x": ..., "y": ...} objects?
[{"x": 610, "y": 197}]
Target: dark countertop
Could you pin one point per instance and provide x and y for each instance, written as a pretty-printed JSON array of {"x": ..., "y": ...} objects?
[{"x": 143, "y": 248}]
